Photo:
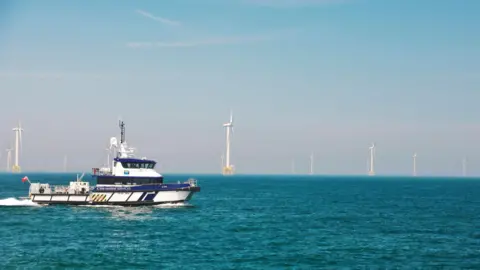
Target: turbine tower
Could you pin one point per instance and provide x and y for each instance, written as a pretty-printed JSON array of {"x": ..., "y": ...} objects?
[
  {"x": 18, "y": 143},
  {"x": 464, "y": 167},
  {"x": 113, "y": 145},
  {"x": 371, "y": 171},
  {"x": 414, "y": 164},
  {"x": 311, "y": 164},
  {"x": 293, "y": 166},
  {"x": 9, "y": 159},
  {"x": 222, "y": 161},
  {"x": 109, "y": 150},
  {"x": 65, "y": 163},
  {"x": 228, "y": 169}
]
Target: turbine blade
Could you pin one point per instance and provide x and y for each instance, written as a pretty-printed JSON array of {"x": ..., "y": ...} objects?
[{"x": 20, "y": 134}]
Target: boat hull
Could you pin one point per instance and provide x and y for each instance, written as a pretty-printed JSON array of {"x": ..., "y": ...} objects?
[{"x": 123, "y": 198}]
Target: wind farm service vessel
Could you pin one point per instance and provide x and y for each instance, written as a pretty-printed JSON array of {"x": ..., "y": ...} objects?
[{"x": 128, "y": 181}]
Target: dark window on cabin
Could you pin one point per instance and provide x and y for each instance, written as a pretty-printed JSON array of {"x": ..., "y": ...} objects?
[
  {"x": 138, "y": 165},
  {"x": 129, "y": 180}
]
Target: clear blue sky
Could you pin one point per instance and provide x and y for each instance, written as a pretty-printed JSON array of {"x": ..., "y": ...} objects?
[{"x": 301, "y": 76}]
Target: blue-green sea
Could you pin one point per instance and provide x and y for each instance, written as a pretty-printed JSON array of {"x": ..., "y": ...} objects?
[{"x": 254, "y": 222}]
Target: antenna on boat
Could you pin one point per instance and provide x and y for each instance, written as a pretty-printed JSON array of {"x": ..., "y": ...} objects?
[
  {"x": 122, "y": 131},
  {"x": 80, "y": 179}
]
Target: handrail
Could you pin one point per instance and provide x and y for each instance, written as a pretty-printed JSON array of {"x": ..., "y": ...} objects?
[
  {"x": 60, "y": 188},
  {"x": 63, "y": 189},
  {"x": 192, "y": 182}
]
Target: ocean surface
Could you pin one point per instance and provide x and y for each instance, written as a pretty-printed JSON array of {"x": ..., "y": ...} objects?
[{"x": 253, "y": 222}]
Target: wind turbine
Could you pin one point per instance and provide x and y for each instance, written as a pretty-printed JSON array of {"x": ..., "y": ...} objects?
[
  {"x": 18, "y": 143},
  {"x": 65, "y": 163},
  {"x": 414, "y": 164},
  {"x": 9, "y": 158},
  {"x": 113, "y": 145},
  {"x": 222, "y": 158},
  {"x": 293, "y": 166},
  {"x": 311, "y": 164},
  {"x": 228, "y": 169},
  {"x": 464, "y": 167},
  {"x": 108, "y": 156},
  {"x": 372, "y": 159}
]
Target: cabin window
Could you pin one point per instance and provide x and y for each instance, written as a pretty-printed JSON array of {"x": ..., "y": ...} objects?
[
  {"x": 109, "y": 180},
  {"x": 138, "y": 165}
]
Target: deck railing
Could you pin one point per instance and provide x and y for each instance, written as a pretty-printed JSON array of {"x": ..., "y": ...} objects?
[
  {"x": 101, "y": 171},
  {"x": 61, "y": 189},
  {"x": 192, "y": 182}
]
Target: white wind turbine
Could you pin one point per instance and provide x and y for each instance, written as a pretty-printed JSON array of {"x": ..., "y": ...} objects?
[
  {"x": 414, "y": 164},
  {"x": 113, "y": 145},
  {"x": 228, "y": 169},
  {"x": 311, "y": 164},
  {"x": 109, "y": 150},
  {"x": 222, "y": 159},
  {"x": 65, "y": 163},
  {"x": 371, "y": 171},
  {"x": 464, "y": 167},
  {"x": 9, "y": 159},
  {"x": 18, "y": 143}
]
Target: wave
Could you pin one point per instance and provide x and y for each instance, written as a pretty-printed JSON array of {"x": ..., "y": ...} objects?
[
  {"x": 172, "y": 205},
  {"x": 26, "y": 202},
  {"x": 101, "y": 206},
  {"x": 17, "y": 202}
]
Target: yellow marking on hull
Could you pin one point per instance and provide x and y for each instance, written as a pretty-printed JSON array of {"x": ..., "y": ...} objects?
[{"x": 99, "y": 197}]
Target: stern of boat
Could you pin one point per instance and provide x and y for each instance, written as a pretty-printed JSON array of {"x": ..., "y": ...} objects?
[{"x": 193, "y": 185}]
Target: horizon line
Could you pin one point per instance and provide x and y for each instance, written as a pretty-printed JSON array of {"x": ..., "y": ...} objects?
[{"x": 306, "y": 175}]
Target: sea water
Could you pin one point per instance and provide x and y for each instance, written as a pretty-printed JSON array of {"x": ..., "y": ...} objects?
[{"x": 253, "y": 222}]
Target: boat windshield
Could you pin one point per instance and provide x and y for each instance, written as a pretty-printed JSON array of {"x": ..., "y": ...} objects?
[
  {"x": 112, "y": 180},
  {"x": 138, "y": 165}
]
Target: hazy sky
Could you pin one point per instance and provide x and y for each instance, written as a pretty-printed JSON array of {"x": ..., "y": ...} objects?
[{"x": 300, "y": 76}]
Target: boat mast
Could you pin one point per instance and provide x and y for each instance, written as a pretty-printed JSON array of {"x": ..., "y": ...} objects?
[
  {"x": 123, "y": 151},
  {"x": 122, "y": 131}
]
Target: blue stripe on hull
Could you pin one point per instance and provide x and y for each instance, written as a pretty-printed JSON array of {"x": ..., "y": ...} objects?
[
  {"x": 150, "y": 197},
  {"x": 143, "y": 196}
]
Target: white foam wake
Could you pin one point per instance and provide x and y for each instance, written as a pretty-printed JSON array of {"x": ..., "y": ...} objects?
[
  {"x": 100, "y": 205},
  {"x": 172, "y": 205},
  {"x": 16, "y": 202}
]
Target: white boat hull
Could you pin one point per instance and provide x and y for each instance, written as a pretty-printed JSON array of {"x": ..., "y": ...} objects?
[{"x": 116, "y": 198}]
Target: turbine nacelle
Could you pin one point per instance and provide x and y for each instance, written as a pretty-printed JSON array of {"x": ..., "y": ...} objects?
[
  {"x": 230, "y": 123},
  {"x": 19, "y": 129}
]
